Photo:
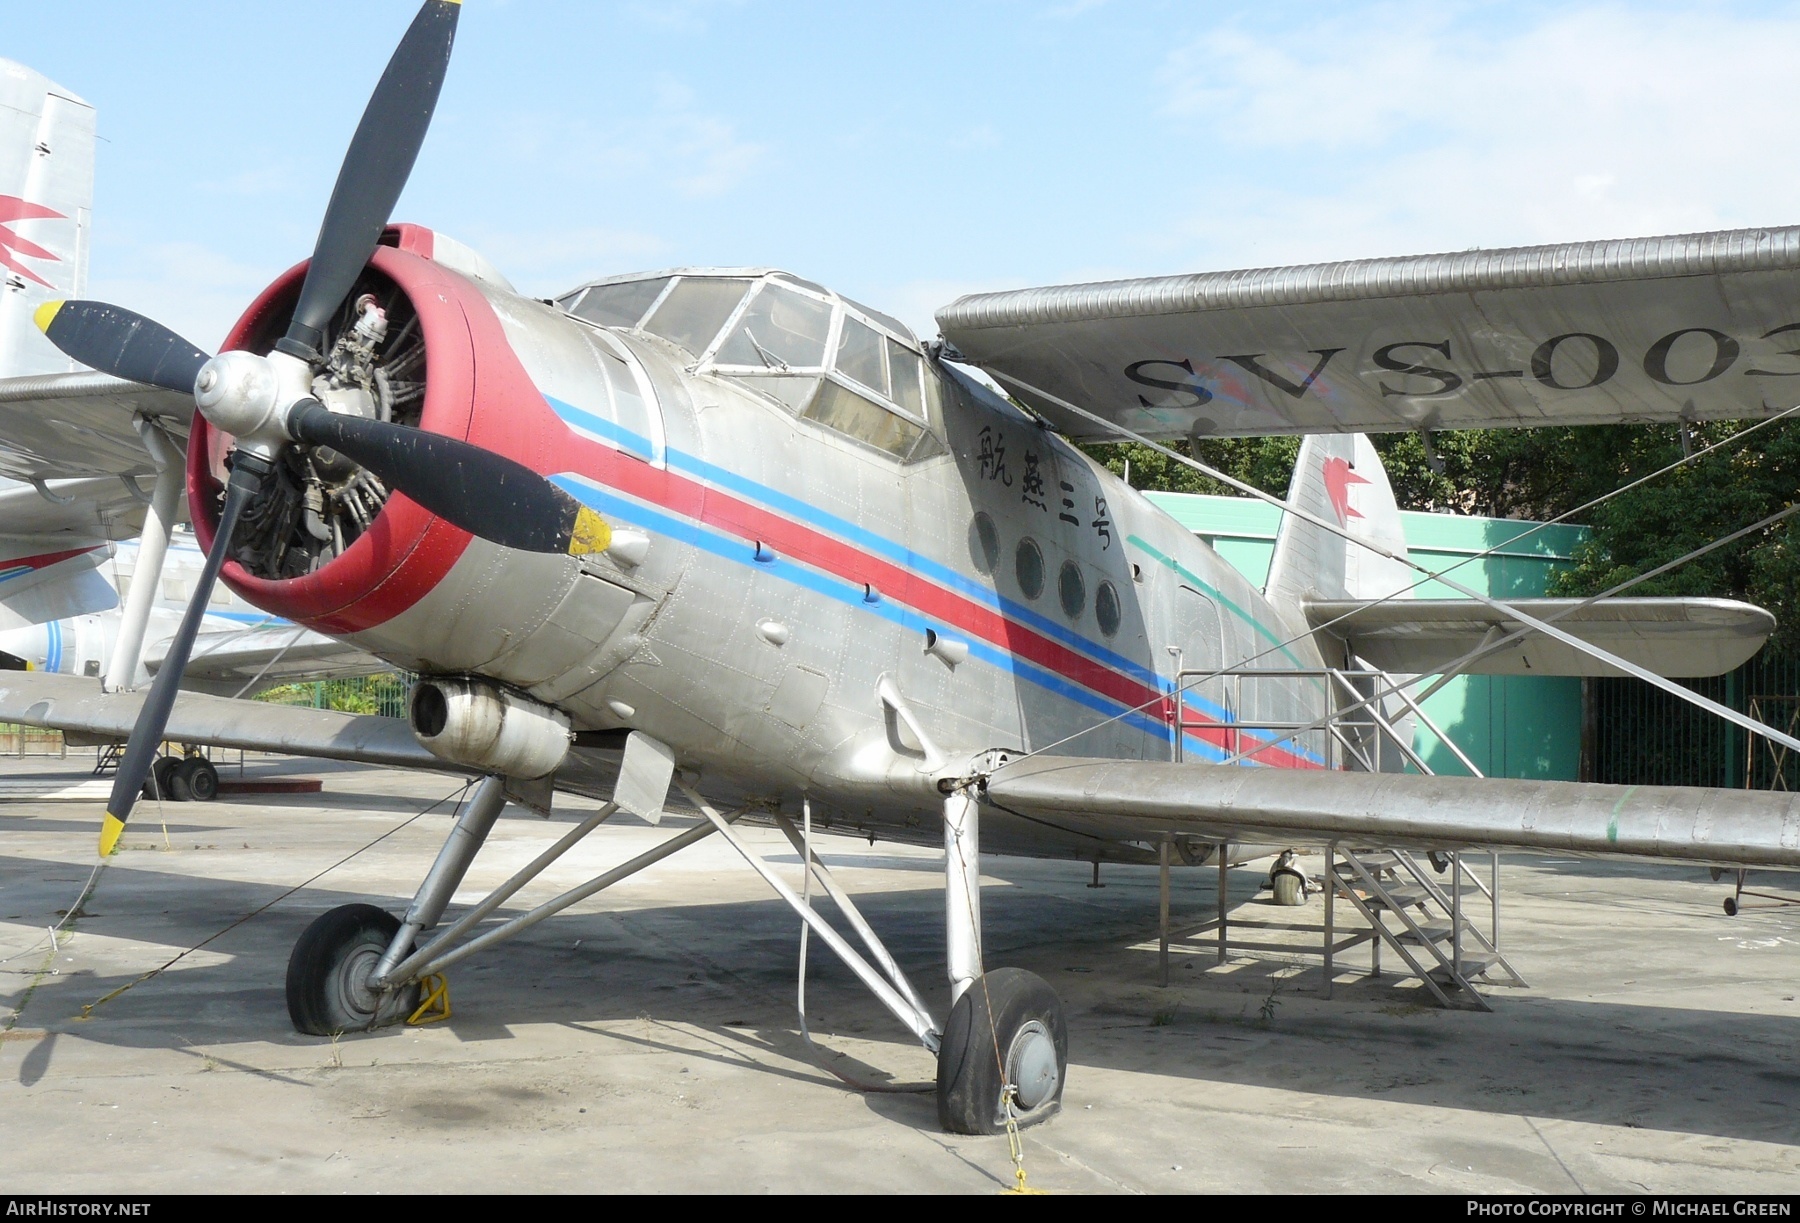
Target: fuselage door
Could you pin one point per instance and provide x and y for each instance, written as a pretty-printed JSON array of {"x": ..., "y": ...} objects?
[{"x": 1208, "y": 700}]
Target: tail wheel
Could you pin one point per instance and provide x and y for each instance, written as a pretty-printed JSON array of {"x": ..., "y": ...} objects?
[
  {"x": 1006, "y": 1035},
  {"x": 328, "y": 973},
  {"x": 1289, "y": 886}
]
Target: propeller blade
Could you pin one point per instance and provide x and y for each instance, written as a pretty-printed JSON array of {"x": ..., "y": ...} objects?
[
  {"x": 118, "y": 342},
  {"x": 374, "y": 172},
  {"x": 486, "y": 494},
  {"x": 140, "y": 751}
]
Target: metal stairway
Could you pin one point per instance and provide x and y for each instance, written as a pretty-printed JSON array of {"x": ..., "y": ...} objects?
[
  {"x": 1422, "y": 920},
  {"x": 1420, "y": 911}
]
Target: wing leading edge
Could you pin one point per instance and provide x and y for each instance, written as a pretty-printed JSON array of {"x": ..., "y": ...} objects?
[
  {"x": 1134, "y": 800},
  {"x": 1688, "y": 327}
]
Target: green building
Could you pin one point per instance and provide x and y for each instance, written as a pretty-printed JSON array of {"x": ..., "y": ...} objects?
[{"x": 1510, "y": 726}]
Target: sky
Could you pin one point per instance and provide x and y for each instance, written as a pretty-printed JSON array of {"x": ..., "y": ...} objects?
[{"x": 907, "y": 153}]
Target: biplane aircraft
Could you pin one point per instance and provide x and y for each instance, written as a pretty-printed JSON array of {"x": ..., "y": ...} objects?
[{"x": 723, "y": 536}]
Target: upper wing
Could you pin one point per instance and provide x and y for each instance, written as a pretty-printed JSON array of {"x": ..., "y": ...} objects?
[
  {"x": 87, "y": 508},
  {"x": 61, "y": 426},
  {"x": 1137, "y": 800},
  {"x": 1692, "y": 327},
  {"x": 1674, "y": 637}
]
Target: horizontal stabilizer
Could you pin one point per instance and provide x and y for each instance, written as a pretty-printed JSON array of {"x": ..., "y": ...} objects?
[
  {"x": 1680, "y": 328},
  {"x": 1148, "y": 800},
  {"x": 1673, "y": 637}
]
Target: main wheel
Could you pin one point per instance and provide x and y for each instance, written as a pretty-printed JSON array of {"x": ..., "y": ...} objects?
[
  {"x": 199, "y": 778},
  {"x": 1289, "y": 886},
  {"x": 1006, "y": 1034},
  {"x": 161, "y": 782},
  {"x": 328, "y": 973}
]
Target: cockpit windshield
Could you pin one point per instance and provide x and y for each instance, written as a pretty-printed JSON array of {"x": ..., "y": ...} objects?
[
  {"x": 779, "y": 330},
  {"x": 818, "y": 355}
]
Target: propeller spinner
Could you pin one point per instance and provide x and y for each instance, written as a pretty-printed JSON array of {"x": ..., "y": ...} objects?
[{"x": 265, "y": 402}]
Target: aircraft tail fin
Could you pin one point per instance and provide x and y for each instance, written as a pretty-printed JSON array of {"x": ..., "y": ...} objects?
[
  {"x": 47, "y": 578},
  {"x": 46, "y": 203},
  {"x": 1338, "y": 478}
]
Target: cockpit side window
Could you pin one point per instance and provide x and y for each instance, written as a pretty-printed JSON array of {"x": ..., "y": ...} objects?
[
  {"x": 904, "y": 374},
  {"x": 619, "y": 305},
  {"x": 779, "y": 330},
  {"x": 838, "y": 407},
  {"x": 859, "y": 356},
  {"x": 694, "y": 310}
]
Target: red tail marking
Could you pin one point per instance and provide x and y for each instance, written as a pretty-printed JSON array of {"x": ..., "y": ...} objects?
[
  {"x": 1338, "y": 479},
  {"x": 12, "y": 208}
]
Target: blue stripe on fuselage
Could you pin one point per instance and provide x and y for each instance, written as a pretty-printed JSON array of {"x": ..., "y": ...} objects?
[
  {"x": 606, "y": 501},
  {"x": 869, "y": 541}
]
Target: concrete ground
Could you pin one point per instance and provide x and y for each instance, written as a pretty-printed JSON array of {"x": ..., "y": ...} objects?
[{"x": 646, "y": 1041}]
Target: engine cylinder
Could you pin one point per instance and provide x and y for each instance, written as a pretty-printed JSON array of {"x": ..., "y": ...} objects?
[{"x": 481, "y": 725}]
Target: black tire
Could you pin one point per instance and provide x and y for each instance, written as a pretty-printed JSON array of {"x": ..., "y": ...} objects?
[
  {"x": 1026, "y": 1024},
  {"x": 329, "y": 965},
  {"x": 1731, "y": 906},
  {"x": 160, "y": 782},
  {"x": 200, "y": 779},
  {"x": 178, "y": 783},
  {"x": 1289, "y": 886}
]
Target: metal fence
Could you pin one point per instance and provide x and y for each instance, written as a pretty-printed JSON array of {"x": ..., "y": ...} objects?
[
  {"x": 1638, "y": 735},
  {"x": 16, "y": 740},
  {"x": 384, "y": 694}
]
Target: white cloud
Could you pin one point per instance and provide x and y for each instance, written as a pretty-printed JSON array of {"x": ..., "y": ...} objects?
[
  {"x": 186, "y": 286},
  {"x": 673, "y": 145},
  {"x": 546, "y": 261},
  {"x": 916, "y": 302},
  {"x": 1411, "y": 128}
]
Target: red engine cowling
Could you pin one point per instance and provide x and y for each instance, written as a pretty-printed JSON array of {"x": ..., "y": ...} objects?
[{"x": 474, "y": 388}]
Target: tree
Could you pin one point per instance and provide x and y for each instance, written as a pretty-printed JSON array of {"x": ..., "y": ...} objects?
[{"x": 1540, "y": 474}]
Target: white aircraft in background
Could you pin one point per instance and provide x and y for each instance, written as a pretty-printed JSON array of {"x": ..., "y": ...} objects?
[
  {"x": 70, "y": 530},
  {"x": 63, "y": 613}
]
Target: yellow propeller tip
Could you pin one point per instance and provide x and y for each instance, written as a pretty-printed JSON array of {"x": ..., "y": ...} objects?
[
  {"x": 45, "y": 314},
  {"x": 110, "y": 832}
]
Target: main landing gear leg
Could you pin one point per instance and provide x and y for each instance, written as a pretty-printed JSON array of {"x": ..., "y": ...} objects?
[
  {"x": 446, "y": 874},
  {"x": 1006, "y": 1046},
  {"x": 337, "y": 975}
]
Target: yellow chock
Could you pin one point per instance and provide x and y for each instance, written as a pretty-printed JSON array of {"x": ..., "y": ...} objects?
[{"x": 435, "y": 1007}]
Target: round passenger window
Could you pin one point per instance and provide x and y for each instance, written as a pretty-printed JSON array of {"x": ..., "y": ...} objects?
[
  {"x": 1071, "y": 588},
  {"x": 1028, "y": 565},
  {"x": 984, "y": 543},
  {"x": 1106, "y": 608}
]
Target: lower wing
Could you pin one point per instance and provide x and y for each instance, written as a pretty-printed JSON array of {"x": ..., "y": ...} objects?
[{"x": 1146, "y": 801}]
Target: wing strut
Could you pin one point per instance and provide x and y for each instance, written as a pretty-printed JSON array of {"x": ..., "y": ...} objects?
[{"x": 153, "y": 549}]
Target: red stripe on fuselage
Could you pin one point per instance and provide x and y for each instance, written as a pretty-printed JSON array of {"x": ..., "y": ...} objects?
[{"x": 796, "y": 541}]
